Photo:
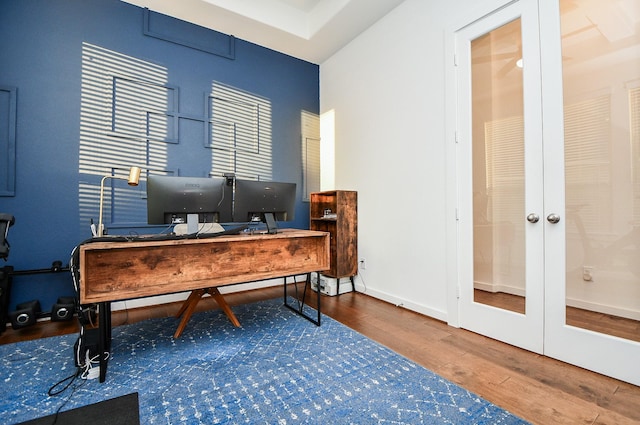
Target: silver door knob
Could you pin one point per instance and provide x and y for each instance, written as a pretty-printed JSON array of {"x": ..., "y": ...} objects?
[
  {"x": 533, "y": 218},
  {"x": 553, "y": 218}
]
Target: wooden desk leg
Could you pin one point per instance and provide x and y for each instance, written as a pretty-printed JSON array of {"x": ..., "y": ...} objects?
[
  {"x": 190, "y": 304},
  {"x": 224, "y": 306},
  {"x": 187, "y": 310},
  {"x": 194, "y": 297}
]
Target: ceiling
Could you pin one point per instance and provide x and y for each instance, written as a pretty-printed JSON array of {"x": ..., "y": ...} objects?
[{"x": 312, "y": 30}]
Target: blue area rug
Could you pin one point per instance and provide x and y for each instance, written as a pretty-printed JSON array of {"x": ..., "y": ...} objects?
[{"x": 277, "y": 369}]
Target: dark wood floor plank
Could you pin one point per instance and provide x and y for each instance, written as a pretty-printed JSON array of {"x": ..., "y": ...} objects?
[{"x": 517, "y": 393}]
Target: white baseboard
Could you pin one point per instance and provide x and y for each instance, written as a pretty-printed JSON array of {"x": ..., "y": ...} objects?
[
  {"x": 604, "y": 309},
  {"x": 404, "y": 303},
  {"x": 493, "y": 288}
]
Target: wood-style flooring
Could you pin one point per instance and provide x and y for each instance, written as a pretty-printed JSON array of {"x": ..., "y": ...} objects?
[{"x": 537, "y": 388}]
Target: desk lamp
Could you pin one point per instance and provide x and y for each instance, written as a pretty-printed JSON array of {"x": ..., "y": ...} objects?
[{"x": 132, "y": 180}]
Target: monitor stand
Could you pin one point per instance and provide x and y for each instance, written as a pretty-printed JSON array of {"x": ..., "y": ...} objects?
[
  {"x": 192, "y": 223},
  {"x": 270, "y": 220}
]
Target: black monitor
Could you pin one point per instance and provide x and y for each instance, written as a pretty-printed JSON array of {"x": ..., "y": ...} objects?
[
  {"x": 264, "y": 201},
  {"x": 171, "y": 199}
]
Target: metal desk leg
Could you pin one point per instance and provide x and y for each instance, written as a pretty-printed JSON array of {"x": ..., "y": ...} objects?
[
  {"x": 300, "y": 307},
  {"x": 104, "y": 337}
]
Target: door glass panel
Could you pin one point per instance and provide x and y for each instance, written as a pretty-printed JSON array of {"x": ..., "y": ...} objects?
[
  {"x": 601, "y": 78},
  {"x": 498, "y": 168}
]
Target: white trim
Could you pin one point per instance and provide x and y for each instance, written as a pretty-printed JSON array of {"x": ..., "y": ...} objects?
[
  {"x": 451, "y": 181},
  {"x": 404, "y": 303},
  {"x": 496, "y": 287},
  {"x": 604, "y": 308}
]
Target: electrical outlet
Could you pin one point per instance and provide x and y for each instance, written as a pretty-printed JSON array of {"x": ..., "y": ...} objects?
[
  {"x": 363, "y": 264},
  {"x": 587, "y": 273}
]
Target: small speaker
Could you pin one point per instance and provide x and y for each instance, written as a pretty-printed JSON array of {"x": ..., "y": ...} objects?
[
  {"x": 25, "y": 314},
  {"x": 66, "y": 300},
  {"x": 63, "y": 310},
  {"x": 30, "y": 305},
  {"x": 22, "y": 318}
]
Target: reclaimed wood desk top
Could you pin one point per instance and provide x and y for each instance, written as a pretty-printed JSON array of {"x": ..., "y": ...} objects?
[{"x": 114, "y": 271}]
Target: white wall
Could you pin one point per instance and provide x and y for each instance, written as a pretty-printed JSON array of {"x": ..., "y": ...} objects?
[
  {"x": 387, "y": 91},
  {"x": 387, "y": 94}
]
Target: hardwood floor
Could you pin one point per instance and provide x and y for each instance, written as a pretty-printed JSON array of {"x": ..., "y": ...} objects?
[{"x": 537, "y": 388}]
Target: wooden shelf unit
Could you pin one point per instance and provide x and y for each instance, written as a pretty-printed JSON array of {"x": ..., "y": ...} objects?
[{"x": 341, "y": 222}]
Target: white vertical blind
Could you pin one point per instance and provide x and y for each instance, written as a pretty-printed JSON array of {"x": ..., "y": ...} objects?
[
  {"x": 587, "y": 142},
  {"x": 587, "y": 157},
  {"x": 504, "y": 153},
  {"x": 310, "y": 154}
]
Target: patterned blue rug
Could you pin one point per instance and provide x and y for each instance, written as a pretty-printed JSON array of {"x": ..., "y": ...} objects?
[{"x": 277, "y": 369}]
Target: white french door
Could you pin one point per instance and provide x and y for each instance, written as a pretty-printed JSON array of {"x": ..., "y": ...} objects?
[
  {"x": 548, "y": 189},
  {"x": 499, "y": 175},
  {"x": 591, "y": 116}
]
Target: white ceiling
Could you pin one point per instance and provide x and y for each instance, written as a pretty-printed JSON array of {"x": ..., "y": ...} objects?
[{"x": 312, "y": 30}]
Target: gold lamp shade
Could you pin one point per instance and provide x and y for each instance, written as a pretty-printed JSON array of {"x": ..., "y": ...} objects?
[{"x": 132, "y": 180}]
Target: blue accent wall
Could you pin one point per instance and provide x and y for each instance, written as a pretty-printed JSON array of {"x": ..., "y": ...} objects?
[{"x": 41, "y": 51}]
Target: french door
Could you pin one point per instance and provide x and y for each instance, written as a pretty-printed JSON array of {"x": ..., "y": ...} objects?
[
  {"x": 499, "y": 126},
  {"x": 548, "y": 189}
]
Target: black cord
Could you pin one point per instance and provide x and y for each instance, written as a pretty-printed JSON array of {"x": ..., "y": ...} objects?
[
  {"x": 224, "y": 183},
  {"x": 52, "y": 392},
  {"x": 71, "y": 378}
]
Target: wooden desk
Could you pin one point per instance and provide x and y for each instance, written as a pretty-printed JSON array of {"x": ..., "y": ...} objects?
[{"x": 115, "y": 271}]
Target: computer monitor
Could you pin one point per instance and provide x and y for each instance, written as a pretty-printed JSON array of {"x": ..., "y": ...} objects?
[
  {"x": 264, "y": 201},
  {"x": 171, "y": 199}
]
